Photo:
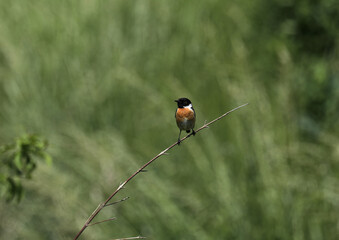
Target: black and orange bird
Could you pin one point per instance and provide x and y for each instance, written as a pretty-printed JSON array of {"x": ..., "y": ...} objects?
[{"x": 185, "y": 116}]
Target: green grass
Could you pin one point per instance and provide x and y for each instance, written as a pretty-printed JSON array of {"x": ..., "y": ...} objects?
[{"x": 98, "y": 80}]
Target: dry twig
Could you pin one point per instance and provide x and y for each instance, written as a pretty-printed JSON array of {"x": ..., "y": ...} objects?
[
  {"x": 138, "y": 237},
  {"x": 121, "y": 186}
]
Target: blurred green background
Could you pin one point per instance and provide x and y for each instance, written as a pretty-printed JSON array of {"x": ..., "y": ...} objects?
[{"x": 97, "y": 79}]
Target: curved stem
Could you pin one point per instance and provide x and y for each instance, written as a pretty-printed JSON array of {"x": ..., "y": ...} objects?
[{"x": 121, "y": 186}]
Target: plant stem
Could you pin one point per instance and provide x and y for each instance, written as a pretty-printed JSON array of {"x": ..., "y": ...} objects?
[{"x": 121, "y": 186}]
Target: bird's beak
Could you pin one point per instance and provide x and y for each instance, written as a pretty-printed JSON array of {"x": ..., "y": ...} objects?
[{"x": 175, "y": 100}]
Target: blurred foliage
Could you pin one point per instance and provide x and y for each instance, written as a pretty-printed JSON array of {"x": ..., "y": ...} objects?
[
  {"x": 17, "y": 162},
  {"x": 98, "y": 80}
]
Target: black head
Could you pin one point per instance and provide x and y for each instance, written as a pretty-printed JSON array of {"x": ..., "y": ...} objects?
[{"x": 183, "y": 102}]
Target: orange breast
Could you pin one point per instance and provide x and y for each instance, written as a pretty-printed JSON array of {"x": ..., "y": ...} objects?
[
  {"x": 184, "y": 114},
  {"x": 185, "y": 118}
]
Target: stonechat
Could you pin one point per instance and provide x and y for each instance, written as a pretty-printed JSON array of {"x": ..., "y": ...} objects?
[{"x": 185, "y": 116}]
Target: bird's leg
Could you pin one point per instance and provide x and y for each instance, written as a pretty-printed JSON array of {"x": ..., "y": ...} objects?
[
  {"x": 179, "y": 137},
  {"x": 193, "y": 132}
]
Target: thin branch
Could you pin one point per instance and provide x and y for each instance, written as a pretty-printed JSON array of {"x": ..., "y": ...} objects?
[
  {"x": 121, "y": 186},
  {"x": 122, "y": 200},
  {"x": 138, "y": 237},
  {"x": 106, "y": 220}
]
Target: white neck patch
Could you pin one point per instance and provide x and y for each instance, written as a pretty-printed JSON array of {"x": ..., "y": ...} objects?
[{"x": 189, "y": 106}]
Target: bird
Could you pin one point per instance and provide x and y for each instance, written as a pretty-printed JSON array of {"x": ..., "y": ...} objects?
[{"x": 185, "y": 116}]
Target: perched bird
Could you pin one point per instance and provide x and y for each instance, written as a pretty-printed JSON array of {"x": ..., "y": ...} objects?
[{"x": 185, "y": 116}]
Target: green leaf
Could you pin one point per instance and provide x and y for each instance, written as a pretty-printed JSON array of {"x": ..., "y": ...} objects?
[
  {"x": 11, "y": 189},
  {"x": 17, "y": 161},
  {"x": 48, "y": 158},
  {"x": 29, "y": 169}
]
